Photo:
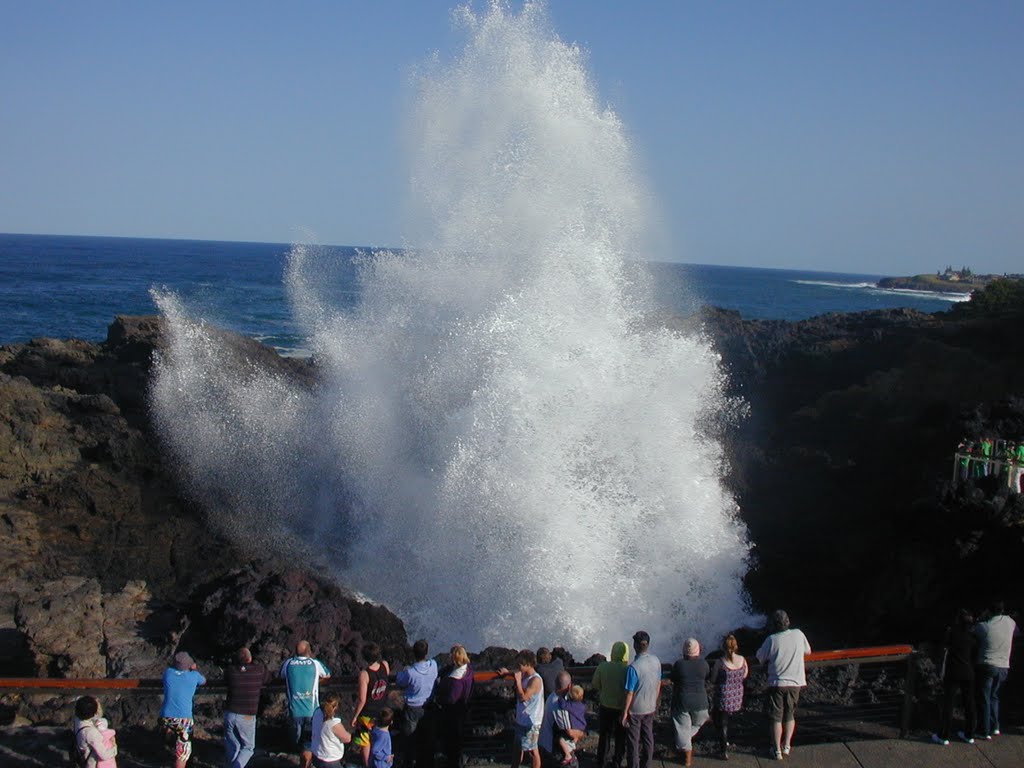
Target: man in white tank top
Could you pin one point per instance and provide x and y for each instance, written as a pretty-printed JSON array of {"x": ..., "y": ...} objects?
[{"x": 529, "y": 708}]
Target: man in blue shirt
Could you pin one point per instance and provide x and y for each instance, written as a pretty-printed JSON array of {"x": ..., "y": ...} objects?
[
  {"x": 302, "y": 674},
  {"x": 180, "y": 683},
  {"x": 417, "y": 683},
  {"x": 643, "y": 692}
]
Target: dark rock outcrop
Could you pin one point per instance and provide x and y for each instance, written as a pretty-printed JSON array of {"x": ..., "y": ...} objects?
[
  {"x": 844, "y": 467},
  {"x": 106, "y": 567}
]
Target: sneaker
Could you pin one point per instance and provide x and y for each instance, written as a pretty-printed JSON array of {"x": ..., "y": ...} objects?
[
  {"x": 964, "y": 737},
  {"x": 785, "y": 751},
  {"x": 986, "y": 737},
  {"x": 939, "y": 740},
  {"x": 776, "y": 754},
  {"x": 995, "y": 732}
]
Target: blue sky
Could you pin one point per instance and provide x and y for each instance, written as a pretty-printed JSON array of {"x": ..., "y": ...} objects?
[{"x": 876, "y": 137}]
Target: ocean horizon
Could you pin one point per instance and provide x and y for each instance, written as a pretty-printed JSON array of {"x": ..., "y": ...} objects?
[{"x": 72, "y": 286}]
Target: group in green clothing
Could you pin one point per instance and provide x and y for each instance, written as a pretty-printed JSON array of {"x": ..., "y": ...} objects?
[{"x": 987, "y": 456}]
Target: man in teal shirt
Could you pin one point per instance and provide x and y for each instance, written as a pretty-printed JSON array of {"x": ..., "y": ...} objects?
[{"x": 302, "y": 675}]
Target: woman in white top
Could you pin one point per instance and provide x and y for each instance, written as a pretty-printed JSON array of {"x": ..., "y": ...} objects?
[{"x": 329, "y": 735}]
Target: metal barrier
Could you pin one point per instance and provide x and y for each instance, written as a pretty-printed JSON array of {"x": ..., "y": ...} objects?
[{"x": 847, "y": 690}]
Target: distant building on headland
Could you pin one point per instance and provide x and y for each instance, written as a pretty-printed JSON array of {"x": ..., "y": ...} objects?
[{"x": 950, "y": 280}]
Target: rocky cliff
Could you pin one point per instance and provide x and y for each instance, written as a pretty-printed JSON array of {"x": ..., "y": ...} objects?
[
  {"x": 106, "y": 569},
  {"x": 842, "y": 469}
]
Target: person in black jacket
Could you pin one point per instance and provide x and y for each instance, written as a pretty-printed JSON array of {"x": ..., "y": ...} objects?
[{"x": 958, "y": 674}]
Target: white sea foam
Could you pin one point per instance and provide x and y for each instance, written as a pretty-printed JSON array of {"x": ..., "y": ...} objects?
[
  {"x": 836, "y": 284},
  {"x": 874, "y": 288},
  {"x": 500, "y": 446}
]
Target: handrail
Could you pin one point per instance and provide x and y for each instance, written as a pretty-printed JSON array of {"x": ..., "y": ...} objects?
[
  {"x": 43, "y": 684},
  {"x": 860, "y": 653}
]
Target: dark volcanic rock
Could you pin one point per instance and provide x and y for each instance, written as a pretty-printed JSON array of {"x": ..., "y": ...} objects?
[
  {"x": 270, "y": 610},
  {"x": 843, "y": 469},
  {"x": 106, "y": 567}
]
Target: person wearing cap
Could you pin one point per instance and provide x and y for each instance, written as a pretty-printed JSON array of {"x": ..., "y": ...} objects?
[
  {"x": 245, "y": 680},
  {"x": 180, "y": 683},
  {"x": 783, "y": 651},
  {"x": 643, "y": 693}
]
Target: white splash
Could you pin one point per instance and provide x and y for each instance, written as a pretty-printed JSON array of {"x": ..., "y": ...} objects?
[{"x": 499, "y": 446}]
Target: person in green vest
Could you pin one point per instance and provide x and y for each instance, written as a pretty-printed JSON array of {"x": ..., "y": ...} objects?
[
  {"x": 609, "y": 682},
  {"x": 986, "y": 452},
  {"x": 1017, "y": 468},
  {"x": 964, "y": 453}
]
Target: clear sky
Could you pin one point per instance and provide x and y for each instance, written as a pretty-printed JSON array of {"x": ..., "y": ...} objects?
[{"x": 879, "y": 137}]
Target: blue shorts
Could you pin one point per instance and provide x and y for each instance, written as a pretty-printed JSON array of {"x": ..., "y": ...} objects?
[{"x": 302, "y": 733}]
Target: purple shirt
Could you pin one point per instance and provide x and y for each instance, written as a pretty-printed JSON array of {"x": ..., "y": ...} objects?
[{"x": 245, "y": 683}]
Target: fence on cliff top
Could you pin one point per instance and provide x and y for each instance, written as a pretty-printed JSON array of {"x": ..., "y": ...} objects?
[{"x": 849, "y": 692}]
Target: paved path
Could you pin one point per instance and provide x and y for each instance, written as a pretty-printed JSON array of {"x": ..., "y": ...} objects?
[{"x": 1006, "y": 751}]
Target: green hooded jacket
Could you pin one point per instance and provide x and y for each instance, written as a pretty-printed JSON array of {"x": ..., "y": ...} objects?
[{"x": 610, "y": 678}]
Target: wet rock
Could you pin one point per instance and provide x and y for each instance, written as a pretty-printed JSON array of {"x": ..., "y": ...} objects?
[{"x": 270, "y": 610}]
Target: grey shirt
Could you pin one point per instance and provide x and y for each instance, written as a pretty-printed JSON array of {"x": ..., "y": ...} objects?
[
  {"x": 643, "y": 678},
  {"x": 995, "y": 641}
]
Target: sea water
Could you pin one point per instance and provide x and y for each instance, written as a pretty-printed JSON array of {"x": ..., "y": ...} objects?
[{"x": 62, "y": 286}]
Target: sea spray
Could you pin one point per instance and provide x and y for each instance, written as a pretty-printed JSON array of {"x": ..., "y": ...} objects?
[{"x": 499, "y": 444}]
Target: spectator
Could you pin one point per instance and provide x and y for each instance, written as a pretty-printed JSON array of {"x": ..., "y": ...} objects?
[
  {"x": 783, "y": 651},
  {"x": 529, "y": 708},
  {"x": 995, "y": 641},
  {"x": 548, "y": 667},
  {"x": 609, "y": 682},
  {"x": 245, "y": 681},
  {"x": 643, "y": 694},
  {"x": 557, "y": 722},
  {"x": 417, "y": 682},
  {"x": 380, "y": 740},
  {"x": 303, "y": 674},
  {"x": 328, "y": 735},
  {"x": 95, "y": 740},
  {"x": 728, "y": 675},
  {"x": 689, "y": 698},
  {"x": 372, "y": 693},
  {"x": 571, "y": 723},
  {"x": 454, "y": 691},
  {"x": 180, "y": 683},
  {"x": 958, "y": 675}
]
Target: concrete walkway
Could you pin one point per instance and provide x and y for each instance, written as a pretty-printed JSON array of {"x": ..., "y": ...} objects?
[{"x": 1006, "y": 751}]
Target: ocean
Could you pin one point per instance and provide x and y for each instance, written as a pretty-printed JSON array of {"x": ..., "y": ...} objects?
[{"x": 72, "y": 287}]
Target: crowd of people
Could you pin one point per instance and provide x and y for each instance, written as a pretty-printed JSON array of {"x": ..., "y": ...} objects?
[
  {"x": 427, "y": 706},
  {"x": 975, "y": 664},
  {"x": 987, "y": 456}
]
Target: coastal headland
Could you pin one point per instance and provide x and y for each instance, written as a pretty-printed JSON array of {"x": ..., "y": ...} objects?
[
  {"x": 950, "y": 281},
  {"x": 842, "y": 469}
]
